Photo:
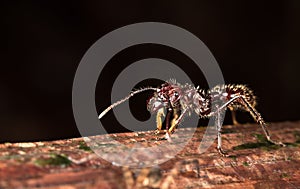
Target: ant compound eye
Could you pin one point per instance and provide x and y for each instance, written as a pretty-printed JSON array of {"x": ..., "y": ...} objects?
[{"x": 176, "y": 94}]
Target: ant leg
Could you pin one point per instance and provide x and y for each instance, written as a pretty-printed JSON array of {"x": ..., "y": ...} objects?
[
  {"x": 233, "y": 116},
  {"x": 168, "y": 118},
  {"x": 173, "y": 125},
  {"x": 159, "y": 124},
  {"x": 159, "y": 115},
  {"x": 218, "y": 124},
  {"x": 175, "y": 121},
  {"x": 258, "y": 118},
  {"x": 219, "y": 128}
]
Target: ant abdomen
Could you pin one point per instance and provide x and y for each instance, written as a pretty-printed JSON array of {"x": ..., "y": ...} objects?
[{"x": 227, "y": 92}]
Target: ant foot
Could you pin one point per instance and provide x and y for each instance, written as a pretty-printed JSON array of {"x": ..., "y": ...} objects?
[
  {"x": 168, "y": 137},
  {"x": 157, "y": 131},
  {"x": 278, "y": 143},
  {"x": 160, "y": 138},
  {"x": 275, "y": 142},
  {"x": 235, "y": 122},
  {"x": 222, "y": 152}
]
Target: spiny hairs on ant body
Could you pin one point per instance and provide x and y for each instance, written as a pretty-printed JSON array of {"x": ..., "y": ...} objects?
[{"x": 180, "y": 100}]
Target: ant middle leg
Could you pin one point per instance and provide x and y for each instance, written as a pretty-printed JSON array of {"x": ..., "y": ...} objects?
[{"x": 219, "y": 128}]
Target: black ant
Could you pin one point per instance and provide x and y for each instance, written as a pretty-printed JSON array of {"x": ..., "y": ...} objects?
[{"x": 181, "y": 100}]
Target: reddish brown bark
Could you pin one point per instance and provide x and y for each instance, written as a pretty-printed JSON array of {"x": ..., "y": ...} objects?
[{"x": 253, "y": 162}]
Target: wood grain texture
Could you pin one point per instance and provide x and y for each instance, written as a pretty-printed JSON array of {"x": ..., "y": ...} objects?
[{"x": 71, "y": 164}]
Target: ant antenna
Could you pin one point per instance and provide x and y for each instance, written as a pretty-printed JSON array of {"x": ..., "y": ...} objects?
[{"x": 124, "y": 99}]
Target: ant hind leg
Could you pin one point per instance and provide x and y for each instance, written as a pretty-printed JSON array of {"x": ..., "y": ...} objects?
[
  {"x": 233, "y": 116},
  {"x": 258, "y": 118}
]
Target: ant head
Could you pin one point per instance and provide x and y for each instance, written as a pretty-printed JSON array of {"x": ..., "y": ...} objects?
[
  {"x": 155, "y": 103},
  {"x": 173, "y": 93},
  {"x": 168, "y": 95}
]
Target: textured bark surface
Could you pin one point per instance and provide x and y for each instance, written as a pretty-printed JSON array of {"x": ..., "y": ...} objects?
[{"x": 253, "y": 162}]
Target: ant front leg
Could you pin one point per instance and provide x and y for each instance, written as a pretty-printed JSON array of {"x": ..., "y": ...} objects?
[
  {"x": 174, "y": 124},
  {"x": 159, "y": 121},
  {"x": 177, "y": 118}
]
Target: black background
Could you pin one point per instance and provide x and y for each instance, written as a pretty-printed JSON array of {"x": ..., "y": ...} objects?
[{"x": 255, "y": 43}]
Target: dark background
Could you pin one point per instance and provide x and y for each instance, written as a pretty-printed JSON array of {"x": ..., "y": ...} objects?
[{"x": 255, "y": 43}]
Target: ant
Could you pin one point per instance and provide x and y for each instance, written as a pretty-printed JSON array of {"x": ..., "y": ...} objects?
[{"x": 181, "y": 100}]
